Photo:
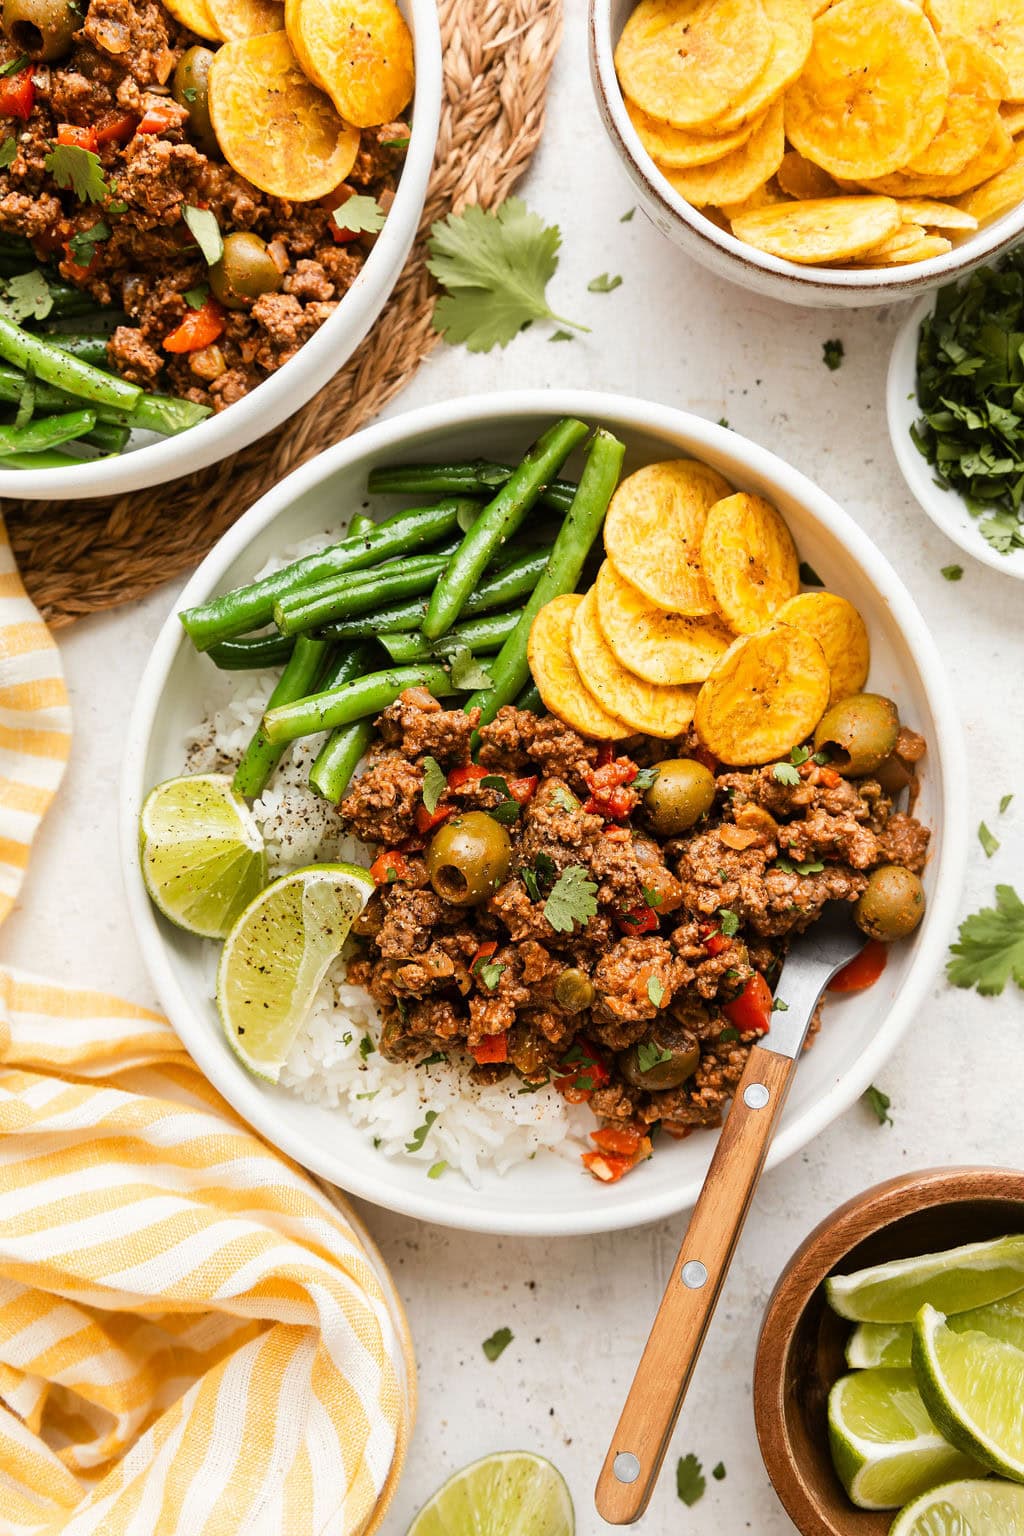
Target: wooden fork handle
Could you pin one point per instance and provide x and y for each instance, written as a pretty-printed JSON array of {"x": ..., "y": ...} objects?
[{"x": 641, "y": 1439}]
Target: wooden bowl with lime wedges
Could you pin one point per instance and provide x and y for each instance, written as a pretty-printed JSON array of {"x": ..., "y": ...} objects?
[{"x": 807, "y": 1347}]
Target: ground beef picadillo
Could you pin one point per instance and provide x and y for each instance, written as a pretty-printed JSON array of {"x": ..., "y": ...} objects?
[
  {"x": 119, "y": 67},
  {"x": 769, "y": 853}
]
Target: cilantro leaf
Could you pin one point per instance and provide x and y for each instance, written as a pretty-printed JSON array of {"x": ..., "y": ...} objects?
[
  {"x": 988, "y": 840},
  {"x": 990, "y": 949},
  {"x": 466, "y": 671},
  {"x": 205, "y": 231},
  {"x": 14, "y": 66},
  {"x": 728, "y": 1035},
  {"x": 652, "y": 898},
  {"x": 436, "y": 1169},
  {"x": 778, "y": 1006},
  {"x": 195, "y": 298},
  {"x": 718, "y": 1471},
  {"x": 489, "y": 972},
  {"x": 561, "y": 336},
  {"x": 690, "y": 1481},
  {"x": 656, "y": 990},
  {"x": 435, "y": 783},
  {"x": 627, "y": 217},
  {"x": 604, "y": 284},
  {"x": 1004, "y": 804},
  {"x": 542, "y": 870},
  {"x": 650, "y": 1054},
  {"x": 81, "y": 245},
  {"x": 952, "y": 572},
  {"x": 8, "y": 150},
  {"x": 644, "y": 779},
  {"x": 366, "y": 1047},
  {"x": 729, "y": 923},
  {"x": 419, "y": 1135},
  {"x": 832, "y": 353},
  {"x": 360, "y": 214},
  {"x": 496, "y": 268},
  {"x": 77, "y": 170},
  {"x": 572, "y": 900},
  {"x": 498, "y": 1342},
  {"x": 26, "y": 296},
  {"x": 879, "y": 1102},
  {"x": 785, "y": 773},
  {"x": 565, "y": 799},
  {"x": 808, "y": 867}
]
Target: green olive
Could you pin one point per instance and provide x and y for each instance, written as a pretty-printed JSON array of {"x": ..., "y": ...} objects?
[
  {"x": 666, "y": 1061},
  {"x": 858, "y": 733},
  {"x": 681, "y": 793},
  {"x": 892, "y": 904},
  {"x": 44, "y": 29},
  {"x": 468, "y": 858},
  {"x": 245, "y": 270},
  {"x": 574, "y": 990},
  {"x": 191, "y": 90}
]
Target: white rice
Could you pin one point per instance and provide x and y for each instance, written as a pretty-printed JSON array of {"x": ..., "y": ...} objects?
[{"x": 335, "y": 1060}]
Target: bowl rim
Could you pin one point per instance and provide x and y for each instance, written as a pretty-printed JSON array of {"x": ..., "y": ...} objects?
[
  {"x": 886, "y": 284},
  {"x": 282, "y": 393},
  {"x": 944, "y": 506},
  {"x": 244, "y": 1092},
  {"x": 825, "y": 1246}
]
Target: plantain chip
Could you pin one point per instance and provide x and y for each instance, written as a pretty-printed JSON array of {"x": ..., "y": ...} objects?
[
  {"x": 663, "y": 648},
  {"x": 997, "y": 26},
  {"x": 274, "y": 127},
  {"x": 820, "y": 229},
  {"x": 841, "y": 633},
  {"x": 652, "y": 533},
  {"x": 933, "y": 215},
  {"x": 791, "y": 26},
  {"x": 686, "y": 61},
  {"x": 977, "y": 84},
  {"x": 996, "y": 197},
  {"x": 749, "y": 559},
  {"x": 874, "y": 89},
  {"x": 197, "y": 16},
  {"x": 737, "y": 175},
  {"x": 664, "y": 712},
  {"x": 1012, "y": 114},
  {"x": 996, "y": 155},
  {"x": 558, "y": 681},
  {"x": 358, "y": 51},
  {"x": 803, "y": 179},
  {"x": 910, "y": 243},
  {"x": 676, "y": 148},
  {"x": 765, "y": 196},
  {"x": 764, "y": 697},
  {"x": 246, "y": 18}
]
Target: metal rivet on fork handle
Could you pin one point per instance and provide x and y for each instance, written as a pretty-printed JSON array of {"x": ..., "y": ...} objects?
[
  {"x": 756, "y": 1096},
  {"x": 694, "y": 1274},
  {"x": 626, "y": 1467}
]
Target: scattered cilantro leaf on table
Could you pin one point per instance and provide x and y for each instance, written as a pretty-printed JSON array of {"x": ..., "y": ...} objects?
[
  {"x": 627, "y": 217},
  {"x": 495, "y": 268},
  {"x": 205, "y": 231},
  {"x": 419, "y": 1135},
  {"x": 360, "y": 215},
  {"x": 497, "y": 1344},
  {"x": 561, "y": 336},
  {"x": 880, "y": 1103},
  {"x": 1004, "y": 804},
  {"x": 77, "y": 170},
  {"x": 988, "y": 840},
  {"x": 435, "y": 783},
  {"x": 573, "y": 899},
  {"x": 26, "y": 296},
  {"x": 832, "y": 353},
  {"x": 8, "y": 150},
  {"x": 952, "y": 572},
  {"x": 604, "y": 283},
  {"x": 690, "y": 1480},
  {"x": 990, "y": 948},
  {"x": 718, "y": 1471}
]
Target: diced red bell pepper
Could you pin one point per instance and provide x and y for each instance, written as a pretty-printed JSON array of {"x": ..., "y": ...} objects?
[
  {"x": 752, "y": 1010},
  {"x": 17, "y": 94},
  {"x": 484, "y": 953},
  {"x": 337, "y": 199},
  {"x": 609, "y": 793},
  {"x": 641, "y": 919},
  {"x": 157, "y": 119},
  {"x": 74, "y": 268},
  {"x": 863, "y": 970},
  {"x": 588, "y": 1072},
  {"x": 389, "y": 867},
  {"x": 829, "y": 778},
  {"x": 715, "y": 943},
  {"x": 116, "y": 130},
  {"x": 426, "y": 820},
  {"x": 607, "y": 1168},
  {"x": 623, "y": 1140},
  {"x": 81, "y": 138},
  {"x": 198, "y": 329},
  {"x": 469, "y": 773},
  {"x": 490, "y": 1049},
  {"x": 522, "y": 790}
]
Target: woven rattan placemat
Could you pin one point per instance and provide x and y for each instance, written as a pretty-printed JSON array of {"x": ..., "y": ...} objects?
[{"x": 78, "y": 557}]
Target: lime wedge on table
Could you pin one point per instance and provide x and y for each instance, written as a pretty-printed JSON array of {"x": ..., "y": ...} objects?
[
  {"x": 202, "y": 853},
  {"x": 973, "y": 1386},
  {"x": 885, "y": 1448},
  {"x": 964, "y": 1509},
  {"x": 889, "y": 1343},
  {"x": 954, "y": 1281},
  {"x": 513, "y": 1493},
  {"x": 277, "y": 954}
]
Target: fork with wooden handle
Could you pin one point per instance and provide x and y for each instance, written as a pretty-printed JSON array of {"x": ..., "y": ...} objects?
[{"x": 641, "y": 1438}]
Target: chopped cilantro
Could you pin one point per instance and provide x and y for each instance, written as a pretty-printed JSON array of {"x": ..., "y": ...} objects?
[
  {"x": 117, "y": 207},
  {"x": 466, "y": 672},
  {"x": 190, "y": 93},
  {"x": 498, "y": 1342},
  {"x": 785, "y": 773},
  {"x": 435, "y": 783},
  {"x": 1004, "y": 804},
  {"x": 652, "y": 898},
  {"x": 604, "y": 284},
  {"x": 728, "y": 922},
  {"x": 809, "y": 576},
  {"x": 799, "y": 755},
  {"x": 832, "y": 353},
  {"x": 644, "y": 779},
  {"x": 649, "y": 1054},
  {"x": 572, "y": 900},
  {"x": 489, "y": 972},
  {"x": 656, "y": 990},
  {"x": 419, "y": 1135},
  {"x": 690, "y": 1481},
  {"x": 81, "y": 245},
  {"x": 988, "y": 840},
  {"x": 718, "y": 1471},
  {"x": 433, "y": 1060},
  {"x": 26, "y": 296},
  {"x": 543, "y": 871},
  {"x": 565, "y": 799},
  {"x": 436, "y": 1169},
  {"x": 360, "y": 215},
  {"x": 808, "y": 867},
  {"x": 77, "y": 170},
  {"x": 561, "y": 335},
  {"x": 952, "y": 572},
  {"x": 195, "y": 298},
  {"x": 990, "y": 949},
  {"x": 879, "y": 1102},
  {"x": 8, "y": 150},
  {"x": 14, "y": 66},
  {"x": 366, "y": 1047},
  {"x": 205, "y": 232},
  {"x": 627, "y": 216},
  {"x": 778, "y": 1006},
  {"x": 394, "y": 143},
  {"x": 371, "y": 1095},
  {"x": 728, "y": 1035},
  {"x": 507, "y": 809}
]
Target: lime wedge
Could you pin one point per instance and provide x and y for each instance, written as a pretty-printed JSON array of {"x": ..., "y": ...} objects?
[
  {"x": 885, "y": 1448},
  {"x": 277, "y": 954},
  {"x": 954, "y": 1281},
  {"x": 202, "y": 853},
  {"x": 513, "y": 1493},
  {"x": 964, "y": 1509},
  {"x": 879, "y": 1344},
  {"x": 973, "y": 1386}
]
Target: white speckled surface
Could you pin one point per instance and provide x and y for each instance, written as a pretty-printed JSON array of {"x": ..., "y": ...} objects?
[{"x": 579, "y": 1309}]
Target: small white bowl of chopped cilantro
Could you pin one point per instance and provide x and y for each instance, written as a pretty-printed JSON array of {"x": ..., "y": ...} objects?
[{"x": 955, "y": 402}]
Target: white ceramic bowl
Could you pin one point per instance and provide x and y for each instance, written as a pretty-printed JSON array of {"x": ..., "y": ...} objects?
[
  {"x": 946, "y": 508},
  {"x": 551, "y": 1195},
  {"x": 149, "y": 459},
  {"x": 728, "y": 257}
]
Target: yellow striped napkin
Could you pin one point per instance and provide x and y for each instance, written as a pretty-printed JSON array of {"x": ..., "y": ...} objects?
[{"x": 195, "y": 1338}]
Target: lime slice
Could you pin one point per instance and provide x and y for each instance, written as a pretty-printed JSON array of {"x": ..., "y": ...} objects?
[
  {"x": 885, "y": 1448},
  {"x": 513, "y": 1493},
  {"x": 973, "y": 1386},
  {"x": 964, "y": 1509},
  {"x": 879, "y": 1344},
  {"x": 277, "y": 954},
  {"x": 954, "y": 1281},
  {"x": 202, "y": 853}
]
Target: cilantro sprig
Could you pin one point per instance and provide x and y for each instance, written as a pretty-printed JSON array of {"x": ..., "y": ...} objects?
[
  {"x": 77, "y": 170},
  {"x": 690, "y": 1479},
  {"x": 990, "y": 948},
  {"x": 573, "y": 900}
]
